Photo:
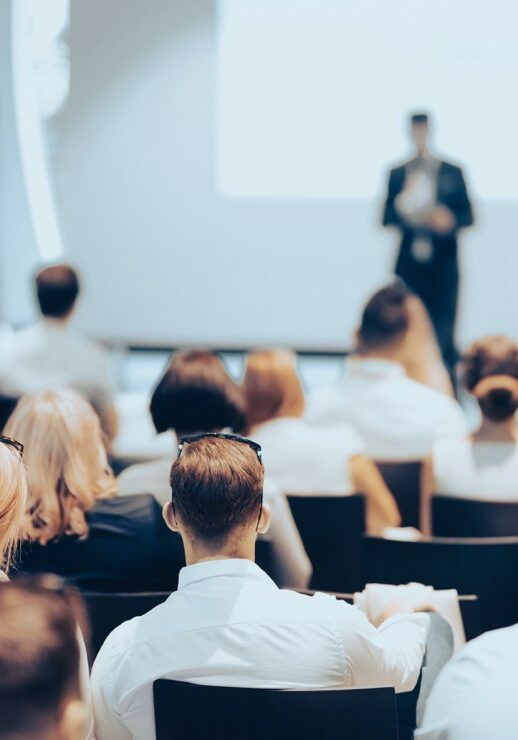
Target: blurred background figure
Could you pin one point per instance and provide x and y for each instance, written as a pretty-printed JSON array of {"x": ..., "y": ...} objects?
[
  {"x": 427, "y": 202},
  {"x": 40, "y": 687},
  {"x": 397, "y": 417},
  {"x": 301, "y": 459},
  {"x": 483, "y": 465},
  {"x": 50, "y": 354}
]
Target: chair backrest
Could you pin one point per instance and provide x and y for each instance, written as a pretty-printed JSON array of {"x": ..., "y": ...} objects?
[
  {"x": 404, "y": 481},
  {"x": 462, "y": 517},
  {"x": 186, "y": 711},
  {"x": 332, "y": 528},
  {"x": 7, "y": 404},
  {"x": 485, "y": 567},
  {"x": 108, "y": 610}
]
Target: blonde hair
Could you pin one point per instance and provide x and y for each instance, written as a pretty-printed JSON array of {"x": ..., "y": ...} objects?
[
  {"x": 67, "y": 467},
  {"x": 13, "y": 502},
  {"x": 271, "y": 386}
]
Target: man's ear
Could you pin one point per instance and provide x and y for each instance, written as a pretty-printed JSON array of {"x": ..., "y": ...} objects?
[
  {"x": 74, "y": 720},
  {"x": 169, "y": 517},
  {"x": 264, "y": 519}
]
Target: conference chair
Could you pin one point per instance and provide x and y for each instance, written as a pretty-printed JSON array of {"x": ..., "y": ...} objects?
[
  {"x": 186, "y": 711},
  {"x": 7, "y": 404},
  {"x": 485, "y": 567},
  {"x": 469, "y": 608},
  {"x": 404, "y": 481},
  {"x": 459, "y": 517},
  {"x": 106, "y": 611},
  {"x": 332, "y": 528}
]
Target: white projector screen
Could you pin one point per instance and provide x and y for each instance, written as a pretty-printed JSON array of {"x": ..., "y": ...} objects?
[{"x": 221, "y": 164}]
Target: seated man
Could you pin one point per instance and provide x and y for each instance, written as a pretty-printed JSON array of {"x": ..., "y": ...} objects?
[
  {"x": 228, "y": 623},
  {"x": 397, "y": 417},
  {"x": 39, "y": 667},
  {"x": 51, "y": 355},
  {"x": 475, "y": 695}
]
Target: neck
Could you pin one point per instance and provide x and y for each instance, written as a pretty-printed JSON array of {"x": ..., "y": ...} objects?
[
  {"x": 196, "y": 552},
  {"x": 497, "y": 431},
  {"x": 389, "y": 355}
]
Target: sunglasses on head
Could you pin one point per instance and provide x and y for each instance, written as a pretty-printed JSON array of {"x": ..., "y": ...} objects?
[
  {"x": 10, "y": 442},
  {"x": 220, "y": 435}
]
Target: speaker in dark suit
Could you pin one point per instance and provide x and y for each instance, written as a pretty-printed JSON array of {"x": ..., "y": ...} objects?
[{"x": 427, "y": 201}]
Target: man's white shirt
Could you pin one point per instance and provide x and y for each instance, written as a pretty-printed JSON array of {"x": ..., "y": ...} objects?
[
  {"x": 229, "y": 625},
  {"x": 396, "y": 417},
  {"x": 52, "y": 355},
  {"x": 474, "y": 697}
]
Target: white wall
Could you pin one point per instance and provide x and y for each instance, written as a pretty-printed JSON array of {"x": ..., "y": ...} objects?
[{"x": 167, "y": 259}]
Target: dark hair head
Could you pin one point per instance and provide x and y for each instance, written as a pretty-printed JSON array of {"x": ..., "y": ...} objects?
[
  {"x": 419, "y": 119},
  {"x": 385, "y": 318},
  {"x": 196, "y": 394},
  {"x": 57, "y": 288},
  {"x": 39, "y": 659},
  {"x": 217, "y": 486},
  {"x": 490, "y": 371}
]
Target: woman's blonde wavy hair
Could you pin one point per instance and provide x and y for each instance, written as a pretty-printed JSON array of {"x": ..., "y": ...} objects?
[
  {"x": 65, "y": 459},
  {"x": 13, "y": 503}
]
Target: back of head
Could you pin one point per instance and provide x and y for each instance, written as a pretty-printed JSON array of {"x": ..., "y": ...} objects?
[
  {"x": 13, "y": 502},
  {"x": 39, "y": 661},
  {"x": 490, "y": 371},
  {"x": 57, "y": 289},
  {"x": 66, "y": 461},
  {"x": 385, "y": 319},
  {"x": 217, "y": 487},
  {"x": 272, "y": 387},
  {"x": 196, "y": 394}
]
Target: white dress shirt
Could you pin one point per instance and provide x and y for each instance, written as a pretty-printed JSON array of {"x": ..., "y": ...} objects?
[
  {"x": 52, "y": 355},
  {"x": 396, "y": 417},
  {"x": 229, "y": 625},
  {"x": 474, "y": 697},
  {"x": 293, "y": 567},
  {"x": 478, "y": 470},
  {"x": 305, "y": 460}
]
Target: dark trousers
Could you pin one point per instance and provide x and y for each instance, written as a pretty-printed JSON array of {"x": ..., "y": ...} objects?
[{"x": 411, "y": 704}]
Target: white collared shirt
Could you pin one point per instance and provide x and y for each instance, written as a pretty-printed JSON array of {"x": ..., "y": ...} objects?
[
  {"x": 397, "y": 417},
  {"x": 229, "y": 625},
  {"x": 474, "y": 697},
  {"x": 52, "y": 355},
  {"x": 302, "y": 459}
]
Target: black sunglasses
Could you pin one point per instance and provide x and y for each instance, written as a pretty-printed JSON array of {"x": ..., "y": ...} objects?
[
  {"x": 220, "y": 435},
  {"x": 10, "y": 442}
]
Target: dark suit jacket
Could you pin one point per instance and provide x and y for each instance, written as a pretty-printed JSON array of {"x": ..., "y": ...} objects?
[
  {"x": 452, "y": 193},
  {"x": 128, "y": 548}
]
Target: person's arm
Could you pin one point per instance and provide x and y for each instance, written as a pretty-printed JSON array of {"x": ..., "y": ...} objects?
[
  {"x": 389, "y": 655},
  {"x": 462, "y": 208},
  {"x": 427, "y": 490},
  {"x": 292, "y": 563},
  {"x": 107, "y": 724},
  {"x": 382, "y": 510},
  {"x": 390, "y": 215}
]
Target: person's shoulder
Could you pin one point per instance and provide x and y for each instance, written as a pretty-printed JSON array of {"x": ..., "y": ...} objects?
[
  {"x": 141, "y": 507},
  {"x": 450, "y": 168}
]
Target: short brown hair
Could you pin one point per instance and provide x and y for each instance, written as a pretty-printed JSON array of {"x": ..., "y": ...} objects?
[
  {"x": 271, "y": 386},
  {"x": 385, "y": 319},
  {"x": 39, "y": 659},
  {"x": 217, "y": 486},
  {"x": 57, "y": 289},
  {"x": 490, "y": 372}
]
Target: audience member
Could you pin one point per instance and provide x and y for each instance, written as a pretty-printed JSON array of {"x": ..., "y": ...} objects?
[
  {"x": 51, "y": 355},
  {"x": 483, "y": 465},
  {"x": 398, "y": 418},
  {"x": 13, "y": 499},
  {"x": 299, "y": 458},
  {"x": 228, "y": 623},
  {"x": 474, "y": 697},
  {"x": 75, "y": 528},
  {"x": 196, "y": 394},
  {"x": 40, "y": 687}
]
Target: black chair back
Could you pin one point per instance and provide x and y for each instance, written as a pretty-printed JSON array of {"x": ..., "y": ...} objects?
[
  {"x": 106, "y": 611},
  {"x": 404, "y": 481},
  {"x": 186, "y": 711},
  {"x": 332, "y": 528},
  {"x": 485, "y": 567},
  {"x": 460, "y": 517},
  {"x": 7, "y": 404}
]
